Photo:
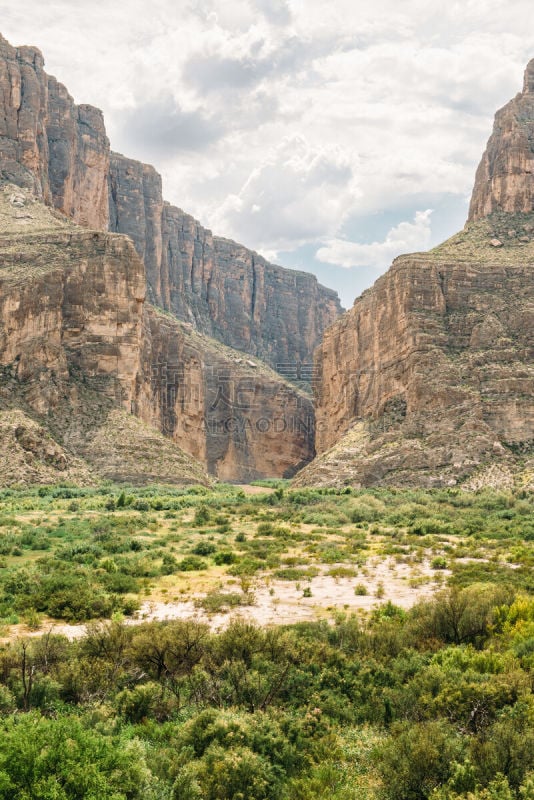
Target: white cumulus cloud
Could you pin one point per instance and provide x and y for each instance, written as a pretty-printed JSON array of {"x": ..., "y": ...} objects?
[
  {"x": 297, "y": 194},
  {"x": 406, "y": 237}
]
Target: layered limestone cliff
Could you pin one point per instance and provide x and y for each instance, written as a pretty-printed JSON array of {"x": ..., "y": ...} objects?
[
  {"x": 61, "y": 152},
  {"x": 71, "y": 338},
  {"x": 429, "y": 378},
  {"x": 232, "y": 413},
  {"x": 108, "y": 386},
  {"x": 49, "y": 144},
  {"x": 505, "y": 177},
  {"x": 225, "y": 290},
  {"x": 85, "y": 359}
]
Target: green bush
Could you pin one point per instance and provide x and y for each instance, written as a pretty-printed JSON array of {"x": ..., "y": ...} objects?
[
  {"x": 204, "y": 549},
  {"x": 191, "y": 564},
  {"x": 418, "y": 758}
]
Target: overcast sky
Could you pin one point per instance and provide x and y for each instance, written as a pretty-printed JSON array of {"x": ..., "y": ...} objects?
[{"x": 330, "y": 137}]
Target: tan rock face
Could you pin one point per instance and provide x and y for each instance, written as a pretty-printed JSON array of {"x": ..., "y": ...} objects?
[
  {"x": 29, "y": 455},
  {"x": 71, "y": 302},
  {"x": 106, "y": 375},
  {"x": 49, "y": 144},
  {"x": 61, "y": 151},
  {"x": 505, "y": 177},
  {"x": 76, "y": 340},
  {"x": 78, "y": 164},
  {"x": 136, "y": 208},
  {"x": 234, "y": 415},
  {"x": 225, "y": 290},
  {"x": 429, "y": 376}
]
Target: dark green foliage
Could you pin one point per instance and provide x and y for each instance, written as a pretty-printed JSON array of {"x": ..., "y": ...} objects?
[
  {"x": 191, "y": 564},
  {"x": 204, "y": 549},
  {"x": 60, "y": 759},
  {"x": 418, "y": 758},
  {"x": 397, "y": 704},
  {"x": 224, "y": 557}
]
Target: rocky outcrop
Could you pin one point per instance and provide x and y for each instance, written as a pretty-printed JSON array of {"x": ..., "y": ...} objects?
[
  {"x": 136, "y": 209},
  {"x": 29, "y": 454},
  {"x": 505, "y": 177},
  {"x": 71, "y": 302},
  {"x": 136, "y": 394},
  {"x": 429, "y": 378},
  {"x": 225, "y": 290},
  {"x": 49, "y": 144},
  {"x": 231, "y": 413}
]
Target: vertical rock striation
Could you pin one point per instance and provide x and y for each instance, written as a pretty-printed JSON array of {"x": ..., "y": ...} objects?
[
  {"x": 505, "y": 177},
  {"x": 85, "y": 358},
  {"x": 429, "y": 378},
  {"x": 232, "y": 414},
  {"x": 49, "y": 144},
  {"x": 78, "y": 343},
  {"x": 61, "y": 151},
  {"x": 225, "y": 290}
]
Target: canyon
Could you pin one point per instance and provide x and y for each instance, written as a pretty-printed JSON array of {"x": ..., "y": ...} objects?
[
  {"x": 135, "y": 345},
  {"x": 96, "y": 380},
  {"x": 115, "y": 383},
  {"x": 223, "y": 289}
]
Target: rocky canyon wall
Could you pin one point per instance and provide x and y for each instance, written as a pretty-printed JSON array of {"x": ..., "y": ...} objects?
[
  {"x": 505, "y": 177},
  {"x": 233, "y": 414},
  {"x": 430, "y": 376},
  {"x": 225, "y": 290},
  {"x": 116, "y": 384},
  {"x": 49, "y": 144},
  {"x": 61, "y": 152}
]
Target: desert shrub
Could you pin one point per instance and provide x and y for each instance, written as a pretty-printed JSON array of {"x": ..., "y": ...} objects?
[
  {"x": 342, "y": 572},
  {"x": 364, "y": 513},
  {"x": 191, "y": 564},
  {"x": 204, "y": 549},
  {"x": 222, "y": 601},
  {"x": 507, "y": 746},
  {"x": 462, "y": 615},
  {"x": 60, "y": 758},
  {"x": 148, "y": 700},
  {"x": 169, "y": 564},
  {"x": 418, "y": 758},
  {"x": 245, "y": 566},
  {"x": 296, "y": 574},
  {"x": 202, "y": 515},
  {"x": 224, "y": 557}
]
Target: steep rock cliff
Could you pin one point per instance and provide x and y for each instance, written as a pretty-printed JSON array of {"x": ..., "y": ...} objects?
[
  {"x": 232, "y": 413},
  {"x": 225, "y": 290},
  {"x": 505, "y": 177},
  {"x": 49, "y": 144},
  {"x": 71, "y": 338},
  {"x": 61, "y": 152},
  {"x": 429, "y": 378},
  {"x": 136, "y": 394}
]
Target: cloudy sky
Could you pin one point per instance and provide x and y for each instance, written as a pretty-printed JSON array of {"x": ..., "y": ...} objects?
[{"x": 330, "y": 137}]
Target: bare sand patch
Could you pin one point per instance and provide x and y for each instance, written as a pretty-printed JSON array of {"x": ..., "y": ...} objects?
[{"x": 283, "y": 602}]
